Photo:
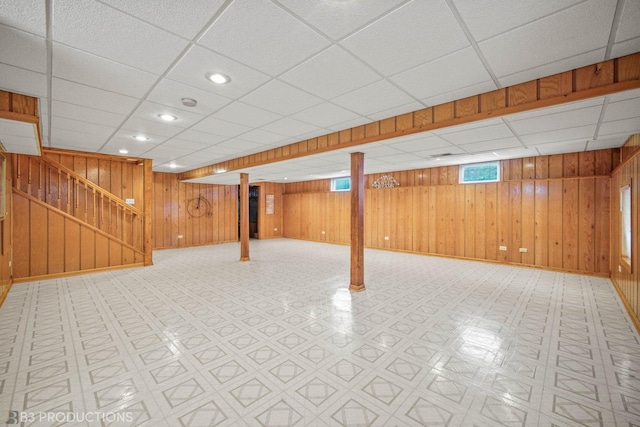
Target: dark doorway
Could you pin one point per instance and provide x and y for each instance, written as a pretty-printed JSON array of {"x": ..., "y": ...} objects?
[{"x": 254, "y": 192}]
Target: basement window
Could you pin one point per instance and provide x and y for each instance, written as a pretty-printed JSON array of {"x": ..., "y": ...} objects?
[
  {"x": 625, "y": 227},
  {"x": 341, "y": 184},
  {"x": 480, "y": 172}
]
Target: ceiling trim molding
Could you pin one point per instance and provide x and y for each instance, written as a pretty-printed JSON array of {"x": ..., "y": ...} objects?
[{"x": 600, "y": 79}]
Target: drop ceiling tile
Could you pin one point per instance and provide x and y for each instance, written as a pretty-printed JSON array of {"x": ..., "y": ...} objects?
[
  {"x": 13, "y": 45},
  {"x": 125, "y": 138},
  {"x": 379, "y": 152},
  {"x": 576, "y": 30},
  {"x": 469, "y": 126},
  {"x": 280, "y": 98},
  {"x": 401, "y": 158},
  {"x": 22, "y": 81},
  {"x": 439, "y": 151},
  {"x": 183, "y": 144},
  {"x": 446, "y": 74},
  {"x": 80, "y": 67},
  {"x": 420, "y": 142},
  {"x": 170, "y": 93},
  {"x": 396, "y": 111},
  {"x": 339, "y": 18},
  {"x": 552, "y": 68},
  {"x": 465, "y": 92},
  {"x": 217, "y": 151},
  {"x": 194, "y": 66},
  {"x": 622, "y": 110},
  {"x": 625, "y": 48},
  {"x": 604, "y": 143},
  {"x": 558, "y": 109},
  {"x": 623, "y": 96},
  {"x": 376, "y": 97},
  {"x": 489, "y": 18},
  {"x": 330, "y": 74},
  {"x": 492, "y": 145},
  {"x": 202, "y": 137},
  {"x": 240, "y": 146},
  {"x": 559, "y": 135},
  {"x": 74, "y": 93},
  {"x": 325, "y": 115},
  {"x": 177, "y": 17},
  {"x": 19, "y": 144},
  {"x": 479, "y": 134},
  {"x": 84, "y": 24},
  {"x": 150, "y": 110},
  {"x": 134, "y": 148},
  {"x": 626, "y": 126},
  {"x": 220, "y": 127},
  {"x": 238, "y": 112},
  {"x": 558, "y": 148},
  {"x": 416, "y": 33},
  {"x": 27, "y": 15},
  {"x": 85, "y": 114},
  {"x": 290, "y": 127},
  {"x": 140, "y": 125},
  {"x": 358, "y": 121},
  {"x": 628, "y": 27},
  {"x": 269, "y": 27},
  {"x": 100, "y": 131},
  {"x": 68, "y": 139},
  {"x": 563, "y": 120},
  {"x": 263, "y": 137}
]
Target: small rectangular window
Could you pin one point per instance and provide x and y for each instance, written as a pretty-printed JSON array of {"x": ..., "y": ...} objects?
[
  {"x": 341, "y": 184},
  {"x": 625, "y": 227},
  {"x": 480, "y": 172}
]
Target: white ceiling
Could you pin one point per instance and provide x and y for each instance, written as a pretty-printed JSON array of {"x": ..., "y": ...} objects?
[{"x": 104, "y": 70}]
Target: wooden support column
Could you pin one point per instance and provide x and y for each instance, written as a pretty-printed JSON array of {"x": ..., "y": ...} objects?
[
  {"x": 357, "y": 222},
  {"x": 244, "y": 217},
  {"x": 148, "y": 212}
]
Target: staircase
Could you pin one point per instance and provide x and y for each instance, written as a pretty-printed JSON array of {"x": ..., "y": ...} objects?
[{"x": 66, "y": 223}]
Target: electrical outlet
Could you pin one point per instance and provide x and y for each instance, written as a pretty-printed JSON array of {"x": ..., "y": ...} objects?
[
  {"x": 9, "y": 263},
  {"x": 180, "y": 236},
  {"x": 619, "y": 269},
  {"x": 275, "y": 229},
  {"x": 386, "y": 237},
  {"x": 523, "y": 249},
  {"x": 503, "y": 248},
  {"x": 323, "y": 232}
]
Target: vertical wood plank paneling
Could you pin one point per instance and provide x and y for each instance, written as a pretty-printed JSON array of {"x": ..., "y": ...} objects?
[
  {"x": 503, "y": 221},
  {"x": 556, "y": 221},
  {"x": 479, "y": 223},
  {"x": 21, "y": 247},
  {"x": 570, "y": 219},
  {"x": 38, "y": 230},
  {"x": 528, "y": 221},
  {"x": 71, "y": 246},
  {"x": 515, "y": 224},
  {"x": 55, "y": 243},
  {"x": 602, "y": 225},
  {"x": 491, "y": 221},
  {"x": 586, "y": 224},
  {"x": 541, "y": 220}
]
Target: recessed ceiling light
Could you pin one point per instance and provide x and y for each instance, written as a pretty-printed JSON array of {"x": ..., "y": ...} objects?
[
  {"x": 140, "y": 138},
  {"x": 218, "y": 78},
  {"x": 173, "y": 165},
  {"x": 123, "y": 151},
  {"x": 167, "y": 117},
  {"x": 285, "y": 178}
]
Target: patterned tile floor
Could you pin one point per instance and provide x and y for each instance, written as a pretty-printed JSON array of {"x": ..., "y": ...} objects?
[{"x": 200, "y": 339}]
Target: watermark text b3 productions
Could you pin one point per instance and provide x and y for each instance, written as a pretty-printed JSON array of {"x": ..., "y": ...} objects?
[{"x": 17, "y": 417}]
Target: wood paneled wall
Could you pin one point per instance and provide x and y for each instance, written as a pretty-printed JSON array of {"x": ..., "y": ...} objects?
[
  {"x": 170, "y": 217},
  {"x": 6, "y": 249},
  {"x": 51, "y": 242},
  {"x": 627, "y": 282},
  {"x": 63, "y": 226},
  {"x": 270, "y": 226},
  {"x": 557, "y": 207},
  {"x": 122, "y": 178}
]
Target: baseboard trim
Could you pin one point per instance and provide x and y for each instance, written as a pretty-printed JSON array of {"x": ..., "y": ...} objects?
[{"x": 74, "y": 273}]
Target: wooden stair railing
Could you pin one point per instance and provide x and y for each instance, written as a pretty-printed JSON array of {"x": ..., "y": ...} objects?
[{"x": 62, "y": 188}]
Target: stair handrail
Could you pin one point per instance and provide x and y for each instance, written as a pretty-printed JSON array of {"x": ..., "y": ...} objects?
[{"x": 94, "y": 186}]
